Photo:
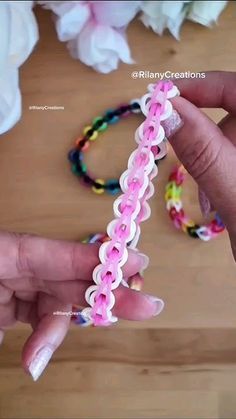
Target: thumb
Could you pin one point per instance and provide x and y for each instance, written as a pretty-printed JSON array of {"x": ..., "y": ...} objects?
[{"x": 208, "y": 156}]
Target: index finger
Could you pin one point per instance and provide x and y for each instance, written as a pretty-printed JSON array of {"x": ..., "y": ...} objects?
[
  {"x": 216, "y": 90},
  {"x": 59, "y": 260}
]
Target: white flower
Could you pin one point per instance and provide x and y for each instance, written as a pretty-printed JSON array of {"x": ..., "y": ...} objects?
[
  {"x": 101, "y": 47},
  {"x": 19, "y": 33},
  {"x": 70, "y": 17},
  {"x": 95, "y": 30},
  {"x": 206, "y": 12},
  {"x": 161, "y": 15},
  {"x": 115, "y": 13}
]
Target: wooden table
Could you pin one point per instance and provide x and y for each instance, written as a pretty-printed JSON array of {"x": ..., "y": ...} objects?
[{"x": 178, "y": 365}]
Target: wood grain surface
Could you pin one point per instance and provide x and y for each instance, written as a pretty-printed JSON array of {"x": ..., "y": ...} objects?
[{"x": 180, "y": 364}]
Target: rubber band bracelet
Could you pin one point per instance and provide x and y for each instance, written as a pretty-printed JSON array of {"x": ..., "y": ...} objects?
[
  {"x": 90, "y": 133},
  {"x": 136, "y": 282},
  {"x": 131, "y": 208},
  {"x": 173, "y": 193}
]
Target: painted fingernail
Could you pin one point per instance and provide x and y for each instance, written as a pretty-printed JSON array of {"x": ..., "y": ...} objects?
[
  {"x": 144, "y": 262},
  {"x": 136, "y": 282},
  {"x": 172, "y": 124},
  {"x": 204, "y": 203},
  {"x": 159, "y": 304},
  {"x": 40, "y": 361}
]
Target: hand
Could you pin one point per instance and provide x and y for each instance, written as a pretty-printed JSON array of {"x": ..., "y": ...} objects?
[
  {"x": 208, "y": 151},
  {"x": 39, "y": 276}
]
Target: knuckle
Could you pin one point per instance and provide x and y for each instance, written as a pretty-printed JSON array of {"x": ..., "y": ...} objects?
[
  {"x": 22, "y": 260},
  {"x": 200, "y": 158}
]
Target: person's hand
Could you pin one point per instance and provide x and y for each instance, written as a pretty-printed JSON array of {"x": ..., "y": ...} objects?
[
  {"x": 208, "y": 151},
  {"x": 40, "y": 276}
]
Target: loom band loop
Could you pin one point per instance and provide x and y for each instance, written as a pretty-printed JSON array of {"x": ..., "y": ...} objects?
[
  {"x": 82, "y": 143},
  {"x": 110, "y": 116},
  {"x": 86, "y": 315},
  {"x": 101, "y": 271},
  {"x": 117, "y": 207},
  {"x": 218, "y": 220},
  {"x": 171, "y": 93},
  {"x": 99, "y": 321},
  {"x": 93, "y": 295},
  {"x": 186, "y": 222},
  {"x": 176, "y": 177},
  {"x": 174, "y": 203},
  {"x": 215, "y": 227},
  {"x": 142, "y": 158},
  {"x": 109, "y": 252},
  {"x": 135, "y": 109},
  {"x": 99, "y": 186},
  {"x": 145, "y": 212},
  {"x": 203, "y": 233},
  {"x": 145, "y": 103},
  {"x": 99, "y": 124},
  {"x": 134, "y": 242},
  {"x": 100, "y": 311},
  {"x": 90, "y": 133},
  {"x": 115, "y": 227},
  {"x": 140, "y": 132},
  {"x": 149, "y": 191},
  {"x": 168, "y": 109},
  {"x": 125, "y": 110},
  {"x": 173, "y": 192},
  {"x": 154, "y": 172},
  {"x": 139, "y": 185},
  {"x": 160, "y": 151},
  {"x": 177, "y": 223}
]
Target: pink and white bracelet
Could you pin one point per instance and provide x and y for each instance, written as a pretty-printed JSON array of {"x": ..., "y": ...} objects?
[{"x": 130, "y": 208}]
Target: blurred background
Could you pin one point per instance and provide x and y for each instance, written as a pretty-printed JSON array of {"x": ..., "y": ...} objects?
[{"x": 182, "y": 363}]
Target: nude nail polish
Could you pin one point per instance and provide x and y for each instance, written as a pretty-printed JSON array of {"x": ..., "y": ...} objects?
[
  {"x": 172, "y": 124},
  {"x": 144, "y": 261},
  {"x": 40, "y": 361},
  {"x": 205, "y": 205},
  {"x": 159, "y": 304}
]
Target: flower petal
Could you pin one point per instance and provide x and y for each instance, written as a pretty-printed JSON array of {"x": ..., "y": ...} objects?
[
  {"x": 206, "y": 12},
  {"x": 115, "y": 13},
  {"x": 101, "y": 47},
  {"x": 69, "y": 24}
]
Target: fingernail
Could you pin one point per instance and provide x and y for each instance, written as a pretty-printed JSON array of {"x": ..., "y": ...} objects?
[
  {"x": 40, "y": 361},
  {"x": 136, "y": 282},
  {"x": 204, "y": 203},
  {"x": 172, "y": 124},
  {"x": 159, "y": 304},
  {"x": 144, "y": 262}
]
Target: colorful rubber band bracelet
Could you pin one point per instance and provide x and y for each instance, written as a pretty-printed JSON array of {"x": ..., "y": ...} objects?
[
  {"x": 90, "y": 134},
  {"x": 173, "y": 193}
]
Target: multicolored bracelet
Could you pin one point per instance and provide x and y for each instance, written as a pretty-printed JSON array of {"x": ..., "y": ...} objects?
[
  {"x": 181, "y": 221},
  {"x": 131, "y": 208},
  {"x": 90, "y": 133}
]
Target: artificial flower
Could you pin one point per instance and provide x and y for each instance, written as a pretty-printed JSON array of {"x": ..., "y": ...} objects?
[
  {"x": 19, "y": 34},
  {"x": 161, "y": 15},
  {"x": 101, "y": 47},
  {"x": 95, "y": 30},
  {"x": 206, "y": 12}
]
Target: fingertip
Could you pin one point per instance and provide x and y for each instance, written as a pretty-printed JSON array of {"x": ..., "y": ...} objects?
[
  {"x": 134, "y": 305},
  {"x": 137, "y": 262}
]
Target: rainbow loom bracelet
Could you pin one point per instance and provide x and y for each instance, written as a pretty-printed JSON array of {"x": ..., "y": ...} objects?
[
  {"x": 131, "y": 208},
  {"x": 90, "y": 133},
  {"x": 176, "y": 212}
]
